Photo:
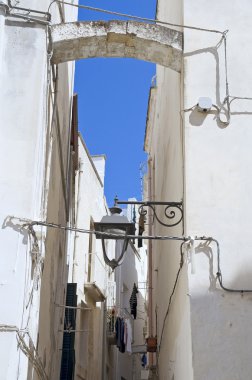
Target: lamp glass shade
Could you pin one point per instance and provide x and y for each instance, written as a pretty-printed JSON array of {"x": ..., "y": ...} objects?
[{"x": 114, "y": 224}]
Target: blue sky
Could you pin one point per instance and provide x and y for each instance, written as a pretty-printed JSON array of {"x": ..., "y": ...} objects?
[{"x": 113, "y": 97}]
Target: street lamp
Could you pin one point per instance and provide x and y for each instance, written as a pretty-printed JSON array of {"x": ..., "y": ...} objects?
[
  {"x": 115, "y": 224},
  {"x": 119, "y": 227}
]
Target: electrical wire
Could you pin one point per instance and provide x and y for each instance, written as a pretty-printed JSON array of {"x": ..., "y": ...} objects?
[
  {"x": 218, "y": 109},
  {"x": 226, "y": 100},
  {"x": 37, "y": 261},
  {"x": 133, "y": 17},
  {"x": 233, "y": 98},
  {"x": 138, "y": 18},
  {"x": 219, "y": 278},
  {"x": 30, "y": 352},
  {"x": 219, "y": 273},
  {"x": 29, "y": 224},
  {"x": 70, "y": 331},
  {"x": 26, "y": 16},
  {"x": 74, "y": 307},
  {"x": 172, "y": 294},
  {"x": 240, "y": 97},
  {"x": 227, "y": 96},
  {"x": 29, "y": 10}
]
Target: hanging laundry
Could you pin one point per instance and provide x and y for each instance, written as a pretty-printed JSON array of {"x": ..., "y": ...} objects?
[
  {"x": 128, "y": 336},
  {"x": 119, "y": 327},
  {"x": 133, "y": 301},
  {"x": 144, "y": 360}
]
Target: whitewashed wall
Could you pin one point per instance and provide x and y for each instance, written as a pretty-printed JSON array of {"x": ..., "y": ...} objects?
[
  {"x": 91, "y": 206},
  {"x": 208, "y": 332},
  {"x": 218, "y": 187},
  {"x": 164, "y": 143},
  {"x": 23, "y": 135}
]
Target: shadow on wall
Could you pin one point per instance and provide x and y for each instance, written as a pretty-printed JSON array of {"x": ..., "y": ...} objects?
[
  {"x": 197, "y": 118},
  {"x": 208, "y": 252},
  {"x": 12, "y": 222},
  {"x": 221, "y": 333},
  {"x": 243, "y": 280}
]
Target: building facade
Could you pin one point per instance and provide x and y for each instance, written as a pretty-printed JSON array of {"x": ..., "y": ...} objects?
[
  {"x": 92, "y": 278},
  {"x": 36, "y": 113},
  {"x": 197, "y": 139},
  {"x": 131, "y": 284},
  {"x": 199, "y": 153}
]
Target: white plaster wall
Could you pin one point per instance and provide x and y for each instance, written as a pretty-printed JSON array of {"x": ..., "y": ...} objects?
[
  {"x": 23, "y": 60},
  {"x": 141, "y": 268},
  {"x": 24, "y": 112},
  {"x": 165, "y": 147},
  {"x": 218, "y": 187},
  {"x": 91, "y": 205},
  {"x": 99, "y": 162}
]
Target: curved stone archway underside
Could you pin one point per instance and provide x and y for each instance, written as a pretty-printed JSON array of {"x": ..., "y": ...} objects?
[{"x": 123, "y": 39}]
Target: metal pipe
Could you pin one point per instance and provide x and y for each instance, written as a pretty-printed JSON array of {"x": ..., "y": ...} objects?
[
  {"x": 80, "y": 171},
  {"x": 74, "y": 307},
  {"x": 50, "y": 132},
  {"x": 149, "y": 203},
  {"x": 150, "y": 306},
  {"x": 29, "y": 10},
  {"x": 28, "y": 18}
]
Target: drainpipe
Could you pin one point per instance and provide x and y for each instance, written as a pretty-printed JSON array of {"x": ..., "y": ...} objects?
[
  {"x": 150, "y": 306},
  {"x": 80, "y": 171}
]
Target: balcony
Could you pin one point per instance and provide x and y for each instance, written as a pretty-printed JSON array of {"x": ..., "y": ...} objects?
[{"x": 93, "y": 291}]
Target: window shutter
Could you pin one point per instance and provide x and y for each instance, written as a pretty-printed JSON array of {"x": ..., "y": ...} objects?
[
  {"x": 74, "y": 132},
  {"x": 68, "y": 352}
]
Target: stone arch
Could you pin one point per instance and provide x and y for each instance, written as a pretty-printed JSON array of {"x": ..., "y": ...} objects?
[{"x": 125, "y": 39}]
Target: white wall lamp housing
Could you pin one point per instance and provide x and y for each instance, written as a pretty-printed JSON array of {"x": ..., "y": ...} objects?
[{"x": 204, "y": 104}]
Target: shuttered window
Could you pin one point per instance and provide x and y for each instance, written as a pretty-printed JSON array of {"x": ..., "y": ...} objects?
[{"x": 68, "y": 352}]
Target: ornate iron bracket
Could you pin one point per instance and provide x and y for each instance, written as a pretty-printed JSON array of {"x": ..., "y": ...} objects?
[{"x": 173, "y": 211}]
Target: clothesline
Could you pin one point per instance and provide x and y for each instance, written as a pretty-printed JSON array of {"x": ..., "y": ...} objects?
[{"x": 122, "y": 308}]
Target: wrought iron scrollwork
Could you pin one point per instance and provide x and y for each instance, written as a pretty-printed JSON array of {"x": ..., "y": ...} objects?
[{"x": 172, "y": 211}]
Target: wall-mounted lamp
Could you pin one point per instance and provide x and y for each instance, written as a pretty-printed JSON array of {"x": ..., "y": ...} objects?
[
  {"x": 119, "y": 227},
  {"x": 114, "y": 224}
]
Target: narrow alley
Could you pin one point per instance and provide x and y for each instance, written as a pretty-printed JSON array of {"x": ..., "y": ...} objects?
[{"x": 151, "y": 286}]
